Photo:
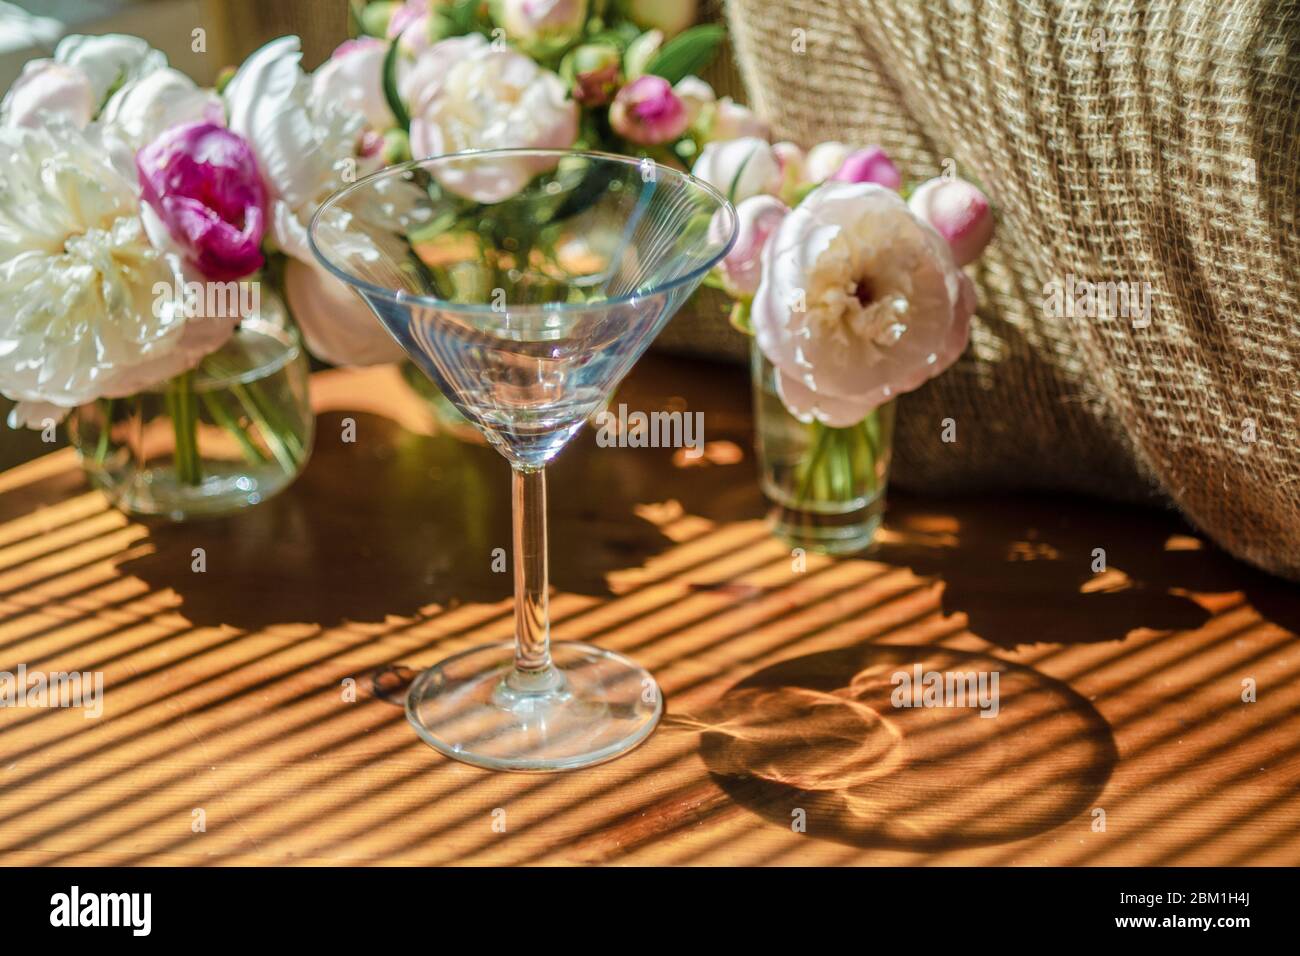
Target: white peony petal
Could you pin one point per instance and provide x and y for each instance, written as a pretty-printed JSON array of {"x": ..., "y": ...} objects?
[
  {"x": 36, "y": 414},
  {"x": 336, "y": 323},
  {"x": 354, "y": 81},
  {"x": 144, "y": 109},
  {"x": 808, "y": 406},
  {"x": 109, "y": 61},
  {"x": 299, "y": 148},
  {"x": 46, "y": 87}
]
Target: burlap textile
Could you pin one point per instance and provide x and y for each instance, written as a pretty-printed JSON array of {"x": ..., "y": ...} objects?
[{"x": 1121, "y": 141}]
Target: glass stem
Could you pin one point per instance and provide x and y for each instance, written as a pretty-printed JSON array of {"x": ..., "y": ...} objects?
[{"x": 533, "y": 671}]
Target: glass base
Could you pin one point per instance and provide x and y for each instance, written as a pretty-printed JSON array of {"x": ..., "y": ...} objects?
[
  {"x": 846, "y": 533},
  {"x": 593, "y": 706},
  {"x": 224, "y": 489}
]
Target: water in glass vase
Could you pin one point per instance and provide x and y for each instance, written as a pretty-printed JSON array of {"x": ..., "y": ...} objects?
[
  {"x": 827, "y": 485},
  {"x": 228, "y": 434}
]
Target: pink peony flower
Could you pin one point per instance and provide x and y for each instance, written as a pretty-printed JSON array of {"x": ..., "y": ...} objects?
[
  {"x": 791, "y": 160},
  {"x": 201, "y": 181},
  {"x": 859, "y": 302},
  {"x": 648, "y": 112},
  {"x": 959, "y": 212},
  {"x": 870, "y": 165}
]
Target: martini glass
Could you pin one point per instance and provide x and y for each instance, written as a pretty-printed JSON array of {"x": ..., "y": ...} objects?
[{"x": 525, "y": 284}]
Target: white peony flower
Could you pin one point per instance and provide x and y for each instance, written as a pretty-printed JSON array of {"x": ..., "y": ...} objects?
[
  {"x": 859, "y": 302},
  {"x": 739, "y": 168},
  {"x": 419, "y": 82},
  {"x": 143, "y": 109},
  {"x": 91, "y": 308},
  {"x": 353, "y": 78},
  {"x": 305, "y": 148},
  {"x": 492, "y": 99},
  {"x": 110, "y": 61}
]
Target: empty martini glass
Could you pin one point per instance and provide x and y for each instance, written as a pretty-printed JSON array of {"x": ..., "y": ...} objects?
[{"x": 525, "y": 284}]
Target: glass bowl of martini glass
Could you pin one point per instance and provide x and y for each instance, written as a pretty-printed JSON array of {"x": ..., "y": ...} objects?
[{"x": 525, "y": 284}]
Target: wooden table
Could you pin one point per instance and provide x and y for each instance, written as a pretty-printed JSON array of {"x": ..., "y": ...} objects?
[{"x": 228, "y": 737}]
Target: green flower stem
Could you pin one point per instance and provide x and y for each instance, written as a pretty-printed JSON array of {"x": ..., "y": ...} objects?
[
  {"x": 840, "y": 462},
  {"x": 282, "y": 441},
  {"x": 101, "y": 446},
  {"x": 184, "y": 415},
  {"x": 809, "y": 468},
  {"x": 227, "y": 421}
]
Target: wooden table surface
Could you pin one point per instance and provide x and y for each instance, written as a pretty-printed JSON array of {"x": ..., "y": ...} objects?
[{"x": 225, "y": 702}]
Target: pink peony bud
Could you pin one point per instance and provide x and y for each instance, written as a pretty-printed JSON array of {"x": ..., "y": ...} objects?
[
  {"x": 730, "y": 120},
  {"x": 792, "y": 161},
  {"x": 202, "y": 182},
  {"x": 959, "y": 212},
  {"x": 869, "y": 165},
  {"x": 592, "y": 72},
  {"x": 741, "y": 268},
  {"x": 404, "y": 16},
  {"x": 670, "y": 16},
  {"x": 648, "y": 112},
  {"x": 824, "y": 159},
  {"x": 541, "y": 25}
]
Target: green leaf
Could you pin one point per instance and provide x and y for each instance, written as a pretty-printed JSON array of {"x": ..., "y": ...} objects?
[
  {"x": 390, "y": 87},
  {"x": 739, "y": 317},
  {"x": 620, "y": 35},
  {"x": 355, "y": 29},
  {"x": 462, "y": 16},
  {"x": 688, "y": 52},
  {"x": 740, "y": 171}
]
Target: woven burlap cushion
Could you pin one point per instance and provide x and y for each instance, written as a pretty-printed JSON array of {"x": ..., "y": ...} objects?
[{"x": 1149, "y": 142}]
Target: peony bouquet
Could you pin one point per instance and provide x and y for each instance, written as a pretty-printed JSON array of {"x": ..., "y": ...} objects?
[
  {"x": 139, "y": 215},
  {"x": 441, "y": 76},
  {"x": 854, "y": 295}
]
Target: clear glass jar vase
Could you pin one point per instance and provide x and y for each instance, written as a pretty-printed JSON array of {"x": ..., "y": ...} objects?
[
  {"x": 827, "y": 485},
  {"x": 225, "y": 435}
]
